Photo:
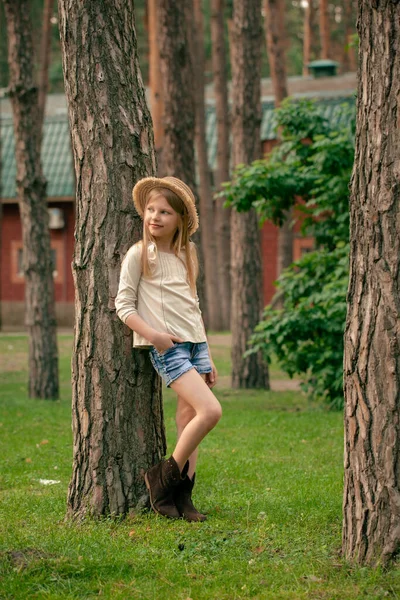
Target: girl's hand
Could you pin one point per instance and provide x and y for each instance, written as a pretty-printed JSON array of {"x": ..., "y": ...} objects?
[
  {"x": 211, "y": 378},
  {"x": 163, "y": 341}
]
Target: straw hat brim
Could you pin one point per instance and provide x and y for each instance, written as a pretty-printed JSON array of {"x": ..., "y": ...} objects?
[{"x": 144, "y": 186}]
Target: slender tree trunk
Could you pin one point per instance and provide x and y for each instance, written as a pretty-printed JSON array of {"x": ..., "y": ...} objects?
[
  {"x": 250, "y": 372},
  {"x": 179, "y": 106},
  {"x": 324, "y": 29},
  {"x": 116, "y": 404},
  {"x": 31, "y": 193},
  {"x": 285, "y": 244},
  {"x": 222, "y": 215},
  {"x": 349, "y": 56},
  {"x": 371, "y": 506},
  {"x": 45, "y": 54},
  {"x": 275, "y": 34},
  {"x": 208, "y": 237},
  {"x": 309, "y": 15},
  {"x": 156, "y": 83}
]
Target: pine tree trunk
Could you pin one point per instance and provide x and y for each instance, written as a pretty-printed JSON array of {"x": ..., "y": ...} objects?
[
  {"x": 179, "y": 106},
  {"x": 207, "y": 231},
  {"x": 222, "y": 215},
  {"x": 285, "y": 244},
  {"x": 116, "y": 404},
  {"x": 324, "y": 28},
  {"x": 251, "y": 372},
  {"x": 45, "y": 53},
  {"x": 155, "y": 82},
  {"x": 275, "y": 35},
  {"x": 31, "y": 193},
  {"x": 308, "y": 35},
  {"x": 371, "y": 506},
  {"x": 349, "y": 56}
]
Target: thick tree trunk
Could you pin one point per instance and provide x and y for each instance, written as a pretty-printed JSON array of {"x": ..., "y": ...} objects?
[
  {"x": 222, "y": 215},
  {"x": 31, "y": 193},
  {"x": 45, "y": 53},
  {"x": 371, "y": 507},
  {"x": 116, "y": 404},
  {"x": 207, "y": 231},
  {"x": 155, "y": 82},
  {"x": 309, "y": 15},
  {"x": 324, "y": 29},
  {"x": 179, "y": 106},
  {"x": 251, "y": 372}
]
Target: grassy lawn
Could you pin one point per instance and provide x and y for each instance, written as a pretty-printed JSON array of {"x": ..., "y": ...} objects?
[{"x": 269, "y": 477}]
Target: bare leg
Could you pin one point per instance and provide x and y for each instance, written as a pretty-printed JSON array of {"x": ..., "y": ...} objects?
[
  {"x": 184, "y": 414},
  {"x": 206, "y": 412}
]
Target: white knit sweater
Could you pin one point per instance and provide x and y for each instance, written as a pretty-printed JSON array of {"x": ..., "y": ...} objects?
[{"x": 164, "y": 300}]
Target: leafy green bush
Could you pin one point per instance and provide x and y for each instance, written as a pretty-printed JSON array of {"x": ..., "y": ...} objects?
[
  {"x": 306, "y": 335},
  {"x": 314, "y": 162}
]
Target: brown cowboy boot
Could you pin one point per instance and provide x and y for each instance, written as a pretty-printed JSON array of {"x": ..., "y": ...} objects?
[
  {"x": 161, "y": 481},
  {"x": 183, "y": 499}
]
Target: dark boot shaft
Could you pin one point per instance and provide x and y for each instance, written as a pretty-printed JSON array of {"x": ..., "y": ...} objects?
[
  {"x": 161, "y": 481},
  {"x": 183, "y": 500}
]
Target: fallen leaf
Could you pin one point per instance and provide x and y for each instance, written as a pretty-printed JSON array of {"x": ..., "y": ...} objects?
[
  {"x": 43, "y": 442},
  {"x": 259, "y": 549},
  {"x": 28, "y": 460},
  {"x": 132, "y": 532}
]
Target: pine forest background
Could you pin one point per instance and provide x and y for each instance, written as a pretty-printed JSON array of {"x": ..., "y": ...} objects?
[{"x": 294, "y": 16}]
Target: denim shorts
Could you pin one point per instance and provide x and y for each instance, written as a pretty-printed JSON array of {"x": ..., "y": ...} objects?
[{"x": 180, "y": 358}]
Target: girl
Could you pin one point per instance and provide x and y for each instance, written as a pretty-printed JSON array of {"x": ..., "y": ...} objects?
[{"x": 157, "y": 298}]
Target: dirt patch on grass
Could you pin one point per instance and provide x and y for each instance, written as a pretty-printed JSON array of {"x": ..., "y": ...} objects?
[
  {"x": 277, "y": 385},
  {"x": 22, "y": 558}
]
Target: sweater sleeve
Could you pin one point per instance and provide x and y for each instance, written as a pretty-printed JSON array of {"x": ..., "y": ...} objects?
[{"x": 126, "y": 300}]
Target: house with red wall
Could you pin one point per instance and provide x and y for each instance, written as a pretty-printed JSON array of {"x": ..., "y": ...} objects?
[{"x": 59, "y": 172}]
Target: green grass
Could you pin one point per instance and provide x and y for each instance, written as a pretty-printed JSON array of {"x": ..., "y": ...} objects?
[{"x": 269, "y": 476}]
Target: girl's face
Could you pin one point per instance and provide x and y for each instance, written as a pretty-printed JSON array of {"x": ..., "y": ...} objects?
[{"x": 161, "y": 219}]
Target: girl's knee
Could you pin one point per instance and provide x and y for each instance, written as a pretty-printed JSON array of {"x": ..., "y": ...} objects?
[{"x": 213, "y": 415}]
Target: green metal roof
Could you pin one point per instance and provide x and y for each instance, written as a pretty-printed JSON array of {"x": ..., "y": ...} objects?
[{"x": 57, "y": 157}]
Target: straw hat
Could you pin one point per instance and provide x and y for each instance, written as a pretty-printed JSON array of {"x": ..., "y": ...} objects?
[{"x": 144, "y": 186}]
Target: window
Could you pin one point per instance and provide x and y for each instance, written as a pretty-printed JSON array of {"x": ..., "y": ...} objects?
[{"x": 17, "y": 266}]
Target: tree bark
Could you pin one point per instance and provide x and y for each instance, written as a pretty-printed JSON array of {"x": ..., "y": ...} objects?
[
  {"x": 309, "y": 14},
  {"x": 116, "y": 403},
  {"x": 285, "y": 244},
  {"x": 179, "y": 107},
  {"x": 222, "y": 215},
  {"x": 155, "y": 82},
  {"x": 45, "y": 53},
  {"x": 31, "y": 193},
  {"x": 275, "y": 34},
  {"x": 208, "y": 234},
  {"x": 324, "y": 29},
  {"x": 251, "y": 372},
  {"x": 349, "y": 56},
  {"x": 371, "y": 504}
]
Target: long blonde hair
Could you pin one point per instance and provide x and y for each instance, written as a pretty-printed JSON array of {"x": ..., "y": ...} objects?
[{"x": 180, "y": 240}]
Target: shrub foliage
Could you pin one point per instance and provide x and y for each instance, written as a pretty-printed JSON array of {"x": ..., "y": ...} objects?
[{"x": 314, "y": 163}]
